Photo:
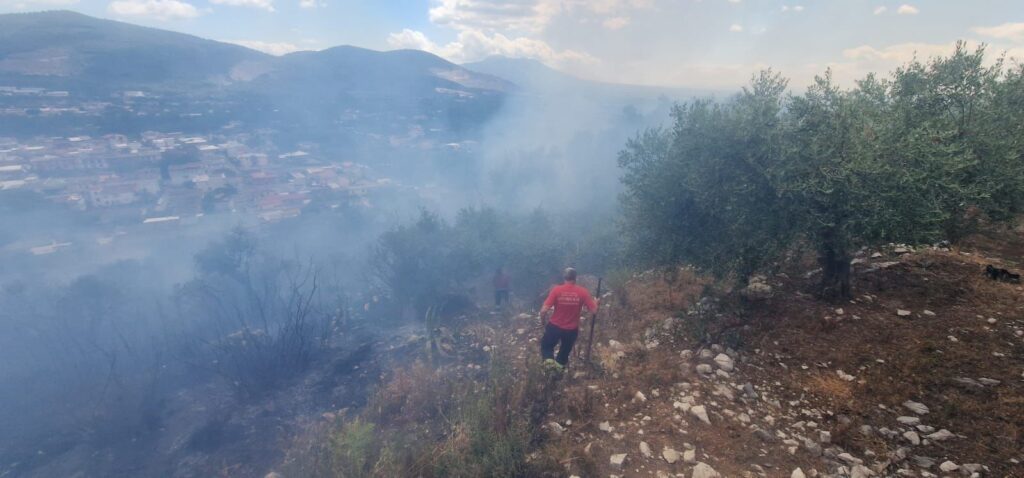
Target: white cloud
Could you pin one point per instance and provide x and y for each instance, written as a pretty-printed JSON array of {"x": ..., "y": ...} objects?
[
  {"x": 735, "y": 1},
  {"x": 880, "y": 10},
  {"x": 736, "y": 28},
  {"x": 472, "y": 45},
  {"x": 273, "y": 48},
  {"x": 907, "y": 10},
  {"x": 267, "y": 5},
  {"x": 312, "y": 3},
  {"x": 158, "y": 9},
  {"x": 616, "y": 23},
  {"x": 794, "y": 8},
  {"x": 1007, "y": 31}
]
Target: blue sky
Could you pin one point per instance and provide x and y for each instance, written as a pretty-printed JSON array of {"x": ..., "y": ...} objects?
[{"x": 701, "y": 43}]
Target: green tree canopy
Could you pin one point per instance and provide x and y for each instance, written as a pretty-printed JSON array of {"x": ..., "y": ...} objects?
[{"x": 914, "y": 158}]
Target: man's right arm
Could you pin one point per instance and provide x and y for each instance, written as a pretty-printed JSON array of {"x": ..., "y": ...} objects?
[{"x": 548, "y": 303}]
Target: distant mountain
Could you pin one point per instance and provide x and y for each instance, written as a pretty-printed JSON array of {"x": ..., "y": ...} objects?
[
  {"x": 535, "y": 76},
  {"x": 75, "y": 52},
  {"x": 340, "y": 94}
]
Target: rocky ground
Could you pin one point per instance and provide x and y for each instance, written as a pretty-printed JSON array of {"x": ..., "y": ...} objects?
[{"x": 921, "y": 374}]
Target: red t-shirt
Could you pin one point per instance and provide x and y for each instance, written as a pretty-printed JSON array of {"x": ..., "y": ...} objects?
[{"x": 568, "y": 300}]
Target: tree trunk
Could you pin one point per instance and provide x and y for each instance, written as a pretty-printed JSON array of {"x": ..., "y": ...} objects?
[{"x": 835, "y": 272}]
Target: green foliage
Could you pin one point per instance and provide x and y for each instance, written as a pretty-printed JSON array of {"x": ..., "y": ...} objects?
[{"x": 915, "y": 158}]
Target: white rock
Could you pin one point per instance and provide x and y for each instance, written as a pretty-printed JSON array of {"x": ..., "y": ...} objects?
[
  {"x": 941, "y": 435},
  {"x": 928, "y": 313},
  {"x": 797, "y": 473},
  {"x": 685, "y": 407},
  {"x": 701, "y": 413},
  {"x": 645, "y": 450},
  {"x": 617, "y": 460},
  {"x": 845, "y": 376},
  {"x": 824, "y": 436},
  {"x": 903, "y": 312},
  {"x": 916, "y": 407},
  {"x": 690, "y": 456},
  {"x": 704, "y": 369},
  {"x": 670, "y": 455},
  {"x": 605, "y": 427},
  {"x": 861, "y": 471},
  {"x": 911, "y": 421},
  {"x": 949, "y": 466},
  {"x": 640, "y": 397},
  {"x": 703, "y": 470},
  {"x": 556, "y": 428},
  {"x": 912, "y": 437},
  {"x": 725, "y": 362}
]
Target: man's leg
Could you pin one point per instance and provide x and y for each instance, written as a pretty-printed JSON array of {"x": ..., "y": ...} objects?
[
  {"x": 568, "y": 338},
  {"x": 548, "y": 341}
]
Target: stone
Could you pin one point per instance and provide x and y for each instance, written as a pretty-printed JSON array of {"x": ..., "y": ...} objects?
[
  {"x": 903, "y": 312},
  {"x": 645, "y": 450},
  {"x": 556, "y": 428},
  {"x": 941, "y": 435},
  {"x": 797, "y": 473},
  {"x": 757, "y": 290},
  {"x": 639, "y": 397},
  {"x": 706, "y": 354},
  {"x": 916, "y": 407},
  {"x": 670, "y": 455},
  {"x": 845, "y": 376},
  {"x": 949, "y": 466},
  {"x": 617, "y": 460},
  {"x": 748, "y": 391},
  {"x": 989, "y": 381},
  {"x": 690, "y": 456},
  {"x": 824, "y": 436},
  {"x": 924, "y": 461},
  {"x": 763, "y": 435},
  {"x": 605, "y": 427},
  {"x": 273, "y": 474},
  {"x": 725, "y": 362},
  {"x": 861, "y": 471},
  {"x": 848, "y": 458},
  {"x": 701, "y": 413},
  {"x": 928, "y": 313},
  {"x": 703, "y": 470},
  {"x": 910, "y": 421},
  {"x": 704, "y": 369},
  {"x": 913, "y": 438}
]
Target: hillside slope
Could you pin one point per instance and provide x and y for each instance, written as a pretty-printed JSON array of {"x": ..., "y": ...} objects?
[
  {"x": 82, "y": 53},
  {"x": 921, "y": 375}
]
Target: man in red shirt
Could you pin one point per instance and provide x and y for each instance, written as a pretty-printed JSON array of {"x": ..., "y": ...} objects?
[{"x": 568, "y": 301}]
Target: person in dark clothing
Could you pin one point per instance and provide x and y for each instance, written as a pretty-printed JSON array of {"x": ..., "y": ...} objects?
[
  {"x": 502, "y": 284},
  {"x": 568, "y": 301}
]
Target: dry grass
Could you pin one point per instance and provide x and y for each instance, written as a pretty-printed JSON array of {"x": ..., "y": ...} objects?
[{"x": 412, "y": 395}]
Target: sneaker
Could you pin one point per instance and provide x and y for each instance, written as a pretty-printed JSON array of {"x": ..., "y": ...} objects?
[{"x": 552, "y": 365}]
